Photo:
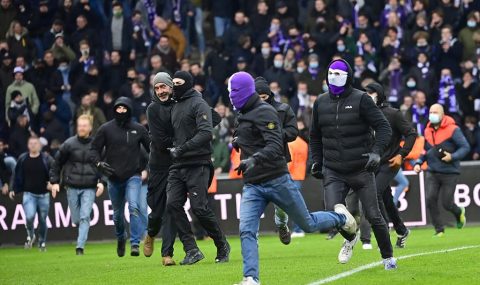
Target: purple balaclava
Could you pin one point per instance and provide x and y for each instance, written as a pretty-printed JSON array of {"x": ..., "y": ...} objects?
[
  {"x": 241, "y": 87},
  {"x": 337, "y": 77}
]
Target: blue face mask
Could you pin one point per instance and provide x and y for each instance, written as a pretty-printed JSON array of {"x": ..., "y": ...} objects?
[
  {"x": 63, "y": 67},
  {"x": 313, "y": 65},
  {"x": 471, "y": 24},
  {"x": 434, "y": 119},
  {"x": 341, "y": 48},
  {"x": 278, "y": 63}
]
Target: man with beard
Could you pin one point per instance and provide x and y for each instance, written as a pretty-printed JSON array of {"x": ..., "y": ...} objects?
[
  {"x": 192, "y": 169},
  {"x": 161, "y": 130},
  {"x": 122, "y": 140},
  {"x": 346, "y": 154}
]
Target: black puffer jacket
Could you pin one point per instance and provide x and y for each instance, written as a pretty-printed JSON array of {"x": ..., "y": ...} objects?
[
  {"x": 73, "y": 164},
  {"x": 342, "y": 129}
]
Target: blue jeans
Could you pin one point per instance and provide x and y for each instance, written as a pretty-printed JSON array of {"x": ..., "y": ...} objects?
[
  {"x": 221, "y": 25},
  {"x": 80, "y": 202},
  {"x": 199, "y": 29},
  {"x": 285, "y": 194},
  {"x": 33, "y": 204},
  {"x": 144, "y": 207},
  {"x": 402, "y": 184},
  {"x": 130, "y": 191}
]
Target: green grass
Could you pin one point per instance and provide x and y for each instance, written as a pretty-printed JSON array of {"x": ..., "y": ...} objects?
[{"x": 304, "y": 260}]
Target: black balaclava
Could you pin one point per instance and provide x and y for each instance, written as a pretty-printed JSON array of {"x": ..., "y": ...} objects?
[
  {"x": 261, "y": 87},
  {"x": 122, "y": 118},
  {"x": 375, "y": 87},
  {"x": 180, "y": 90}
]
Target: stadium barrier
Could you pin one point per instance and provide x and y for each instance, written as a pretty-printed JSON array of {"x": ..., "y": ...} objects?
[{"x": 227, "y": 207}]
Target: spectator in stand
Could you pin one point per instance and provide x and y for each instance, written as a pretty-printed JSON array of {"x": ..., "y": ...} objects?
[
  {"x": 114, "y": 74},
  {"x": 424, "y": 72},
  {"x": 7, "y": 14},
  {"x": 40, "y": 22},
  {"x": 471, "y": 131},
  {"x": 176, "y": 40},
  {"x": 18, "y": 106},
  {"x": 166, "y": 53},
  {"x": 260, "y": 20},
  {"x": 49, "y": 37},
  {"x": 119, "y": 34},
  {"x": 60, "y": 49},
  {"x": 87, "y": 81},
  {"x": 222, "y": 16},
  {"x": 419, "y": 112},
  {"x": 244, "y": 49},
  {"x": 85, "y": 33},
  {"x": 198, "y": 21},
  {"x": 467, "y": 93},
  {"x": 312, "y": 75},
  {"x": 19, "y": 41},
  {"x": 86, "y": 108},
  {"x": 225, "y": 127},
  {"x": 125, "y": 89},
  {"x": 276, "y": 36},
  {"x": 284, "y": 78},
  {"x": 465, "y": 36},
  {"x": 392, "y": 77},
  {"x": 140, "y": 40},
  {"x": 26, "y": 88},
  {"x": 263, "y": 59},
  {"x": 451, "y": 11},
  {"x": 86, "y": 59},
  {"x": 199, "y": 78},
  {"x": 60, "y": 110},
  {"x": 140, "y": 100},
  {"x": 51, "y": 128},
  {"x": 156, "y": 65},
  {"x": 19, "y": 135},
  {"x": 217, "y": 68},
  {"x": 65, "y": 14},
  {"x": 240, "y": 27},
  {"x": 447, "y": 95},
  {"x": 449, "y": 52}
]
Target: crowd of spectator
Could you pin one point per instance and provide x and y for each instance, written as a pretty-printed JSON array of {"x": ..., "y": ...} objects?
[{"x": 63, "y": 59}]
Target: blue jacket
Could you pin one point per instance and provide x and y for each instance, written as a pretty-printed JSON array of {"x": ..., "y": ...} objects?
[{"x": 448, "y": 137}]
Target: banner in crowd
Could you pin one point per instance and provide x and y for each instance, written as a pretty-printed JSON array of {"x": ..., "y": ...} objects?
[{"x": 226, "y": 203}]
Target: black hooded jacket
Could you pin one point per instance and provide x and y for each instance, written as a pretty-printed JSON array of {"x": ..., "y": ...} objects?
[
  {"x": 122, "y": 143},
  {"x": 161, "y": 132},
  {"x": 401, "y": 128},
  {"x": 192, "y": 124},
  {"x": 259, "y": 135},
  {"x": 341, "y": 129}
]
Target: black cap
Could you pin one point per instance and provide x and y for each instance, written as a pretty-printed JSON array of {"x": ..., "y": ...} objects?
[
  {"x": 241, "y": 59},
  {"x": 15, "y": 94},
  {"x": 375, "y": 87},
  {"x": 261, "y": 86},
  {"x": 185, "y": 76}
]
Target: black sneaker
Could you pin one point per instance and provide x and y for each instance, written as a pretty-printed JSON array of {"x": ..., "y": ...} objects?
[
  {"x": 121, "y": 247},
  {"x": 401, "y": 240},
  {"x": 79, "y": 251},
  {"x": 223, "y": 253},
  {"x": 284, "y": 234},
  {"x": 135, "y": 250},
  {"x": 193, "y": 256}
]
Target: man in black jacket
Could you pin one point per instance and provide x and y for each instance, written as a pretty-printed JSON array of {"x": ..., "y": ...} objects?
[
  {"x": 288, "y": 125},
  {"x": 122, "y": 139},
  {"x": 161, "y": 131},
  {"x": 79, "y": 176},
  {"x": 390, "y": 164},
  {"x": 265, "y": 175},
  {"x": 192, "y": 169},
  {"x": 345, "y": 152}
]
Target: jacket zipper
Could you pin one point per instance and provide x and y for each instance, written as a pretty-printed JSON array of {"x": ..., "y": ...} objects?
[{"x": 336, "y": 117}]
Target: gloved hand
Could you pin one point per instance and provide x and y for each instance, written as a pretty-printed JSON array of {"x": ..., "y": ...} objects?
[
  {"x": 175, "y": 152},
  {"x": 245, "y": 165},
  {"x": 235, "y": 144},
  {"x": 105, "y": 168},
  {"x": 373, "y": 161},
  {"x": 317, "y": 170}
]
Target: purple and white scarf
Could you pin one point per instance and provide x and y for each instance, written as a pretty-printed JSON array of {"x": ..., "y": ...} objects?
[
  {"x": 416, "y": 115},
  {"x": 151, "y": 13},
  {"x": 447, "y": 92}
]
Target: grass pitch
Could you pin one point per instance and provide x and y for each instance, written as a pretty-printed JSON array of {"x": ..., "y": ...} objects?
[{"x": 304, "y": 261}]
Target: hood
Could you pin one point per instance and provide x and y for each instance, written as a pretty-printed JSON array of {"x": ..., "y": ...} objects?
[
  {"x": 349, "y": 83},
  {"x": 127, "y": 102},
  {"x": 377, "y": 88},
  {"x": 446, "y": 122},
  {"x": 190, "y": 93},
  {"x": 261, "y": 87}
]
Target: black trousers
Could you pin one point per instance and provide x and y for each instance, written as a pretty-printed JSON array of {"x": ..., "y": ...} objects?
[
  {"x": 194, "y": 182},
  {"x": 389, "y": 210},
  {"x": 198, "y": 231},
  {"x": 159, "y": 218},
  {"x": 337, "y": 186},
  {"x": 441, "y": 185}
]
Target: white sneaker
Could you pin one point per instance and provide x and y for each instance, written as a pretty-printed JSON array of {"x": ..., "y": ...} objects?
[
  {"x": 248, "y": 281},
  {"x": 390, "y": 263},
  {"x": 350, "y": 224},
  {"x": 298, "y": 235},
  {"x": 367, "y": 246},
  {"x": 30, "y": 241},
  {"x": 347, "y": 250}
]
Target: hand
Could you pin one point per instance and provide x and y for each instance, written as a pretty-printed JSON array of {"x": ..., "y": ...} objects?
[
  {"x": 317, "y": 170},
  {"x": 218, "y": 171},
  {"x": 476, "y": 156},
  {"x": 49, "y": 186},
  {"x": 395, "y": 162},
  {"x": 5, "y": 189},
  {"x": 53, "y": 108},
  {"x": 190, "y": 13},
  {"x": 11, "y": 194},
  {"x": 132, "y": 55},
  {"x": 175, "y": 152},
  {"x": 100, "y": 189},
  {"x": 105, "y": 168},
  {"x": 235, "y": 144},
  {"x": 245, "y": 165},
  {"x": 373, "y": 161},
  {"x": 144, "y": 175},
  {"x": 55, "y": 190},
  {"x": 417, "y": 168},
  {"x": 447, "y": 157}
]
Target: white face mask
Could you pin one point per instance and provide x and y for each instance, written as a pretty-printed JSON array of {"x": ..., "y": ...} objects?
[{"x": 337, "y": 77}]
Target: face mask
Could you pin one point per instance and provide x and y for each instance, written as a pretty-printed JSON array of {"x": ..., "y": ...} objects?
[
  {"x": 265, "y": 51},
  {"x": 341, "y": 48},
  {"x": 274, "y": 27},
  {"x": 85, "y": 52},
  {"x": 121, "y": 118},
  {"x": 471, "y": 24},
  {"x": 421, "y": 44},
  {"x": 118, "y": 14},
  {"x": 278, "y": 63},
  {"x": 63, "y": 67},
  {"x": 325, "y": 87},
  {"x": 313, "y": 65},
  {"x": 434, "y": 119},
  {"x": 179, "y": 90},
  {"x": 300, "y": 69},
  {"x": 337, "y": 80},
  {"x": 411, "y": 84}
]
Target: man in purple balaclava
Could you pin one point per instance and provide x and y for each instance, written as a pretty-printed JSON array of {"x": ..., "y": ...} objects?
[
  {"x": 265, "y": 175},
  {"x": 346, "y": 153}
]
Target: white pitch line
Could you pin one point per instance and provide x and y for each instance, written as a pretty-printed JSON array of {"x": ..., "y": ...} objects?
[{"x": 374, "y": 264}]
